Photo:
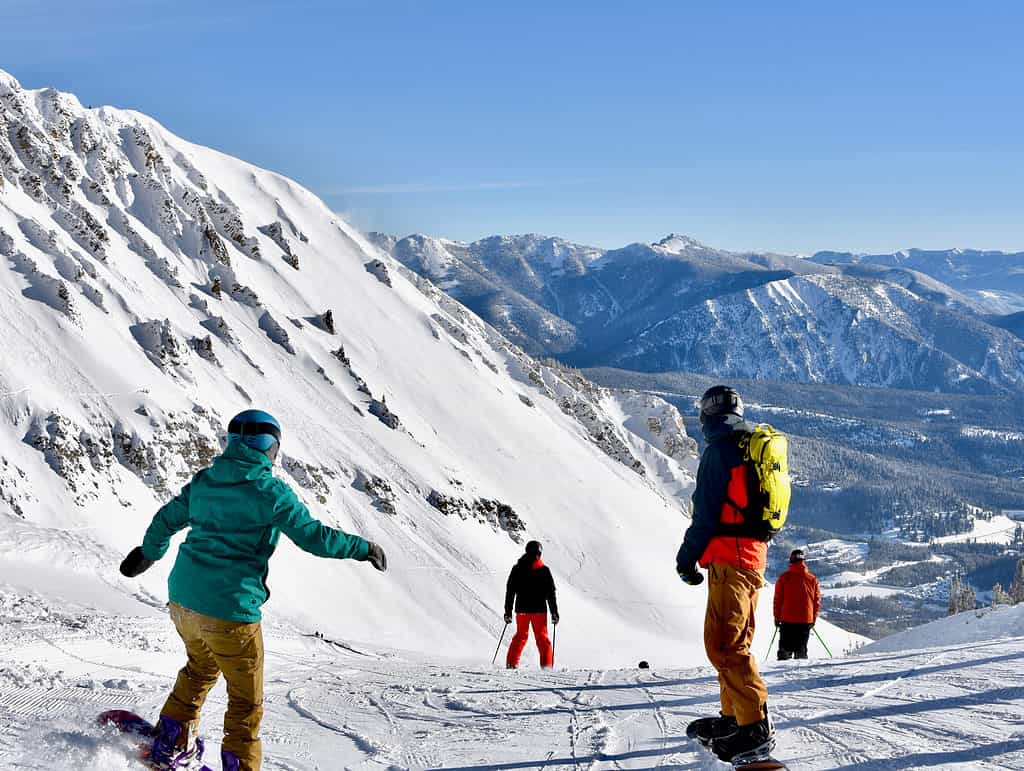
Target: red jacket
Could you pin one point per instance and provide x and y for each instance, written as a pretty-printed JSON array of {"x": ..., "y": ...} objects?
[{"x": 797, "y": 596}]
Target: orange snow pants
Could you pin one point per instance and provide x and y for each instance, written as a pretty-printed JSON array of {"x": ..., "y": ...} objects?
[
  {"x": 728, "y": 634},
  {"x": 236, "y": 649},
  {"x": 539, "y": 622}
]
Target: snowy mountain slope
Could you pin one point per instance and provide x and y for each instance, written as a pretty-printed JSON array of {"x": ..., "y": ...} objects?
[
  {"x": 559, "y": 297},
  {"x": 976, "y": 626},
  {"x": 503, "y": 279},
  {"x": 833, "y": 329},
  {"x": 992, "y": 278},
  {"x": 328, "y": 706},
  {"x": 645, "y": 307},
  {"x": 152, "y": 288}
]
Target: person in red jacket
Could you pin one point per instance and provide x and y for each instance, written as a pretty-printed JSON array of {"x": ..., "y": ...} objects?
[
  {"x": 797, "y": 602},
  {"x": 531, "y": 589}
]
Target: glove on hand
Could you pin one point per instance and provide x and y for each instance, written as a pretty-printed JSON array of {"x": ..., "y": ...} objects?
[
  {"x": 554, "y": 618},
  {"x": 508, "y": 618},
  {"x": 135, "y": 563},
  {"x": 376, "y": 557},
  {"x": 690, "y": 575}
]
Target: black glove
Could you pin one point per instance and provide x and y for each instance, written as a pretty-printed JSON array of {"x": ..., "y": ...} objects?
[
  {"x": 135, "y": 563},
  {"x": 376, "y": 557},
  {"x": 554, "y": 618},
  {"x": 690, "y": 574},
  {"x": 508, "y": 618}
]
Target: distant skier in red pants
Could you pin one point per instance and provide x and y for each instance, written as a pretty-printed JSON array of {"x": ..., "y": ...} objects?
[{"x": 532, "y": 589}]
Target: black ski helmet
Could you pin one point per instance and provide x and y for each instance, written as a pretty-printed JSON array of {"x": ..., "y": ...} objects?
[
  {"x": 797, "y": 555},
  {"x": 533, "y": 548},
  {"x": 720, "y": 400}
]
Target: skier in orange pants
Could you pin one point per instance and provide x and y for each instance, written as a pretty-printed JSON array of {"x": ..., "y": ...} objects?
[{"x": 531, "y": 589}]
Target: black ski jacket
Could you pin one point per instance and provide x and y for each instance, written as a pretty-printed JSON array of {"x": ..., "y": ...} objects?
[{"x": 531, "y": 586}]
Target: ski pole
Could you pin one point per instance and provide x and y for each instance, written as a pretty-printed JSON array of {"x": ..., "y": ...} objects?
[
  {"x": 771, "y": 643},
  {"x": 500, "y": 640},
  {"x": 821, "y": 641}
]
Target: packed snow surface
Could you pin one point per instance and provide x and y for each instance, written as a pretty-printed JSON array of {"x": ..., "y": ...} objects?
[{"x": 332, "y": 705}]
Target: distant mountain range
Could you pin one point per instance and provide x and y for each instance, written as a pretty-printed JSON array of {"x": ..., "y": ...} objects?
[
  {"x": 947, "y": 321},
  {"x": 995, "y": 280}
]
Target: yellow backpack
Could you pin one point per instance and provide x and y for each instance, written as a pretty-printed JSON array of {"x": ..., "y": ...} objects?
[{"x": 766, "y": 451}]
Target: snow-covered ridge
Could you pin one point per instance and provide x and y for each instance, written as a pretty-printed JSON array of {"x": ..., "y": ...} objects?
[
  {"x": 674, "y": 304},
  {"x": 152, "y": 288},
  {"x": 832, "y": 329}
]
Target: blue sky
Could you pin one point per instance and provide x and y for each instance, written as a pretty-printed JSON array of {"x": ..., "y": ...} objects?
[{"x": 792, "y": 126}]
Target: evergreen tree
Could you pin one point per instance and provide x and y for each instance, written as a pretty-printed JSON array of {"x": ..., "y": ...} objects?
[
  {"x": 968, "y": 600},
  {"x": 999, "y": 595},
  {"x": 1017, "y": 587},
  {"x": 955, "y": 588}
]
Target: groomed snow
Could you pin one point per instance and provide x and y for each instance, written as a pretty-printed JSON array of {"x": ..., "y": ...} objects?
[{"x": 331, "y": 705}]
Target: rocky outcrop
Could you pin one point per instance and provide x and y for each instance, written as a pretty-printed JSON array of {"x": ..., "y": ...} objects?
[
  {"x": 160, "y": 344},
  {"x": 310, "y": 477},
  {"x": 379, "y": 270},
  {"x": 378, "y": 490},
  {"x": 379, "y": 409},
  {"x": 204, "y": 347},
  {"x": 276, "y": 332},
  {"x": 498, "y": 515}
]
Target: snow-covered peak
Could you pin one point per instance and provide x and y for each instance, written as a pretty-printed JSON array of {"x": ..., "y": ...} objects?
[
  {"x": 680, "y": 244},
  {"x": 8, "y": 84}
]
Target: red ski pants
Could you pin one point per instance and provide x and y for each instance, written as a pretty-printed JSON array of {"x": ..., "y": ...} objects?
[{"x": 539, "y": 622}]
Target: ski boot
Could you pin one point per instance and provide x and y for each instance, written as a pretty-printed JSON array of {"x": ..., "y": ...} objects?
[
  {"x": 173, "y": 747},
  {"x": 228, "y": 761},
  {"x": 747, "y": 744},
  {"x": 707, "y": 729}
]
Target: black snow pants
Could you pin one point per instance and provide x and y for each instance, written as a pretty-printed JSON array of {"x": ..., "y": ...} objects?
[{"x": 793, "y": 640}]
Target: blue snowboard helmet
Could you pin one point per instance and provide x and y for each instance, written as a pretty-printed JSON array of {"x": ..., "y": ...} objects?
[{"x": 255, "y": 428}]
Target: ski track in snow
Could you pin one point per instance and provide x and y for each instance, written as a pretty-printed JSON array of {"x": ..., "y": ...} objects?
[{"x": 328, "y": 707}]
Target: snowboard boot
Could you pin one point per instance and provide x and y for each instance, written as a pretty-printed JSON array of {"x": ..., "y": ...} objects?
[
  {"x": 229, "y": 761},
  {"x": 173, "y": 747},
  {"x": 707, "y": 729},
  {"x": 754, "y": 741}
]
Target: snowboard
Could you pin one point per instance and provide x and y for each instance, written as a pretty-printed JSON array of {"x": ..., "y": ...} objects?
[
  {"x": 764, "y": 764},
  {"x": 753, "y": 762},
  {"x": 138, "y": 728}
]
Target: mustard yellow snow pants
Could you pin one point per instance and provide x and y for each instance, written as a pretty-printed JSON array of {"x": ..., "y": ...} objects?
[
  {"x": 236, "y": 649},
  {"x": 728, "y": 634}
]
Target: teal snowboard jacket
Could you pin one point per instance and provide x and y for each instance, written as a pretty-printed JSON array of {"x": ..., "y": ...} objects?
[{"x": 237, "y": 510}]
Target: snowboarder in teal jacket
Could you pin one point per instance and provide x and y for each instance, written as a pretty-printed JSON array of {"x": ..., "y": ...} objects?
[{"x": 236, "y": 511}]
